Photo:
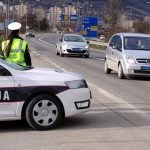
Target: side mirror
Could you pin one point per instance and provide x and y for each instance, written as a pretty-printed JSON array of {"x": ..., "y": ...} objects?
[{"x": 114, "y": 47}]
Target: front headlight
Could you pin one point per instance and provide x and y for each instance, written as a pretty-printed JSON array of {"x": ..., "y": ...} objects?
[
  {"x": 130, "y": 60},
  {"x": 86, "y": 46},
  {"x": 65, "y": 46},
  {"x": 76, "y": 84}
]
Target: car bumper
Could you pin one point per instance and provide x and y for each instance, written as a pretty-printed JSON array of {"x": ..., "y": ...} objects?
[
  {"x": 137, "y": 69},
  {"x": 77, "y": 52},
  {"x": 75, "y": 101}
]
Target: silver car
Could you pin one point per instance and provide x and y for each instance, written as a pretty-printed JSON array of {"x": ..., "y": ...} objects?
[
  {"x": 128, "y": 54},
  {"x": 72, "y": 44}
]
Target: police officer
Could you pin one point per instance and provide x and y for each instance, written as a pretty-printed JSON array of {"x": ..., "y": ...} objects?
[{"x": 15, "y": 49}]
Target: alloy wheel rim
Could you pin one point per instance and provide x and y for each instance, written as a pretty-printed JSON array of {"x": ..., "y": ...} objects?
[{"x": 45, "y": 113}]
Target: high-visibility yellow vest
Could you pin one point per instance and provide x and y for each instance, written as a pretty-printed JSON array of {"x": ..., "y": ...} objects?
[{"x": 17, "y": 51}]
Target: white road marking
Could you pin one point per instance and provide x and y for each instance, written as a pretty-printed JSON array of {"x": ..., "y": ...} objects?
[
  {"x": 40, "y": 39},
  {"x": 115, "y": 98},
  {"x": 101, "y": 59},
  {"x": 54, "y": 64}
]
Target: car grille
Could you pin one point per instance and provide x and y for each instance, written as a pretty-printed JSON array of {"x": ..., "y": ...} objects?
[
  {"x": 76, "y": 51},
  {"x": 142, "y": 71},
  {"x": 143, "y": 60}
]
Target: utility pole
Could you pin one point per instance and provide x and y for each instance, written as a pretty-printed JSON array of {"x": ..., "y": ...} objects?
[
  {"x": 26, "y": 16},
  {"x": 13, "y": 11},
  {"x": 7, "y": 18},
  {"x": 78, "y": 14}
]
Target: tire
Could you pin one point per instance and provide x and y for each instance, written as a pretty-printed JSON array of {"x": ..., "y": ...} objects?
[
  {"x": 57, "y": 53},
  {"x": 61, "y": 54},
  {"x": 44, "y": 112},
  {"x": 87, "y": 56},
  {"x": 106, "y": 69},
  {"x": 120, "y": 72}
]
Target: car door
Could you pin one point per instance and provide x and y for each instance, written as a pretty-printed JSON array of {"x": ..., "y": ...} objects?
[
  {"x": 110, "y": 53},
  {"x": 7, "y": 91},
  {"x": 117, "y": 52}
]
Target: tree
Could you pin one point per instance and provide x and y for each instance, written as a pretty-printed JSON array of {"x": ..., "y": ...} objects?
[
  {"x": 110, "y": 16},
  {"x": 44, "y": 24},
  {"x": 142, "y": 26}
]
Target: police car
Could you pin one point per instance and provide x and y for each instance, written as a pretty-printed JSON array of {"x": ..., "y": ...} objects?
[{"x": 44, "y": 97}]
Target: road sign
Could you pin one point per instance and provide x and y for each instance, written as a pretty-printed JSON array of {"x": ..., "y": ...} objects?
[
  {"x": 89, "y": 26},
  {"x": 64, "y": 17},
  {"x": 73, "y": 17}
]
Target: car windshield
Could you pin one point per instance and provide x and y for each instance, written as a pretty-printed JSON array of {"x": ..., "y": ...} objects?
[
  {"x": 15, "y": 66},
  {"x": 137, "y": 43},
  {"x": 74, "y": 39},
  {"x": 31, "y": 31}
]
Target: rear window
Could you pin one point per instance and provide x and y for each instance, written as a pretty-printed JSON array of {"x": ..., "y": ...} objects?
[{"x": 137, "y": 43}]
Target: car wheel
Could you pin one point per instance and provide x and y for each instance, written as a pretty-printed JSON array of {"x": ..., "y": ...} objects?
[
  {"x": 57, "y": 53},
  {"x": 87, "y": 56},
  {"x": 120, "y": 72},
  {"x": 61, "y": 54},
  {"x": 44, "y": 112},
  {"x": 106, "y": 69}
]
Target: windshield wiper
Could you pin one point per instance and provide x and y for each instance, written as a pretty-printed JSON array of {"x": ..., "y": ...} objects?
[{"x": 28, "y": 67}]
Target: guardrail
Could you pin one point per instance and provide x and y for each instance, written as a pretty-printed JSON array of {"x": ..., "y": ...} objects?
[{"x": 99, "y": 43}]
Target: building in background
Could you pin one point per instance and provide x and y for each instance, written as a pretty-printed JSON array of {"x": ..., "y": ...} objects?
[
  {"x": 70, "y": 10},
  {"x": 54, "y": 16},
  {"x": 40, "y": 12},
  {"x": 60, "y": 16},
  {"x": 21, "y": 10}
]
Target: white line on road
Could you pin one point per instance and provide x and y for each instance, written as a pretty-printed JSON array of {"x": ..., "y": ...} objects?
[
  {"x": 115, "y": 98},
  {"x": 40, "y": 39}
]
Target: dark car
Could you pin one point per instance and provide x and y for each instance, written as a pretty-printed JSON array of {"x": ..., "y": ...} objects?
[{"x": 30, "y": 33}]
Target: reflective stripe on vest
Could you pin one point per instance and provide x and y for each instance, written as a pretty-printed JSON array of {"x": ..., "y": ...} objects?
[{"x": 17, "y": 51}]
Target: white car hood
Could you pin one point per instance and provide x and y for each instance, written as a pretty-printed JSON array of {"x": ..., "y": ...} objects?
[
  {"x": 76, "y": 44},
  {"x": 138, "y": 53},
  {"x": 46, "y": 74}
]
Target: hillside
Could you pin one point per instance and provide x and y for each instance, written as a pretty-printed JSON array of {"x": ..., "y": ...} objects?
[{"x": 138, "y": 6}]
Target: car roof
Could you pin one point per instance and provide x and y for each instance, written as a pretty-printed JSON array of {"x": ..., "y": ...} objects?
[
  {"x": 72, "y": 34},
  {"x": 133, "y": 34}
]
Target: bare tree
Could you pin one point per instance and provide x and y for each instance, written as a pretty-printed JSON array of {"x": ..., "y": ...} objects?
[
  {"x": 142, "y": 26},
  {"x": 111, "y": 15}
]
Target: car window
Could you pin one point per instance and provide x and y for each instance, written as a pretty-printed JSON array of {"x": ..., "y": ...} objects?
[
  {"x": 113, "y": 41},
  {"x": 137, "y": 43},
  {"x": 118, "y": 42},
  {"x": 74, "y": 39},
  {"x": 61, "y": 39},
  {"x": 4, "y": 71}
]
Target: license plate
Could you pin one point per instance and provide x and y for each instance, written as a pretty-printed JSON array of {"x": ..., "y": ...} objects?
[
  {"x": 76, "y": 49},
  {"x": 146, "y": 68}
]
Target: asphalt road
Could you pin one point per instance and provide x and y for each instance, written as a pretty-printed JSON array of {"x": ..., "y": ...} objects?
[{"x": 119, "y": 118}]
